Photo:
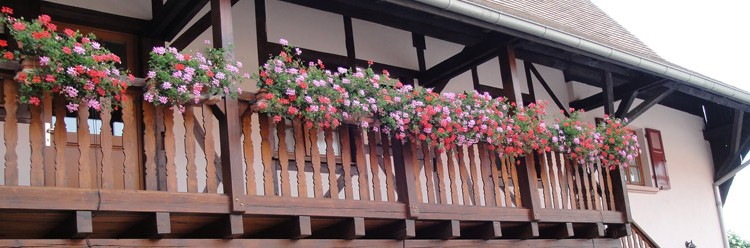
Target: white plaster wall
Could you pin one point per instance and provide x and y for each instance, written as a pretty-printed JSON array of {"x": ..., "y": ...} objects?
[
  {"x": 384, "y": 44},
  {"x": 140, "y": 9}
]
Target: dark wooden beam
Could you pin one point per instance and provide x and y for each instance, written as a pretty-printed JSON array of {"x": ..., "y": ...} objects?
[
  {"x": 508, "y": 74},
  {"x": 172, "y": 17},
  {"x": 154, "y": 226},
  {"x": 419, "y": 44},
  {"x": 648, "y": 103},
  {"x": 83, "y": 17},
  {"x": 78, "y": 225},
  {"x": 230, "y": 130},
  {"x": 194, "y": 31},
  {"x": 437, "y": 76},
  {"x": 712, "y": 97},
  {"x": 608, "y": 94},
  {"x": 578, "y": 60},
  {"x": 616, "y": 231},
  {"x": 485, "y": 231},
  {"x": 297, "y": 227},
  {"x": 349, "y": 228},
  {"x": 351, "y": 54},
  {"x": 444, "y": 230},
  {"x": 625, "y": 104},
  {"x": 400, "y": 229},
  {"x": 225, "y": 227},
  {"x": 732, "y": 163},
  {"x": 589, "y": 230},
  {"x": 546, "y": 87},
  {"x": 558, "y": 231},
  {"x": 597, "y": 100},
  {"x": 526, "y": 230},
  {"x": 529, "y": 81}
]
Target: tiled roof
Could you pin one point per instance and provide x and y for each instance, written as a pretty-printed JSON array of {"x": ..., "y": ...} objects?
[{"x": 577, "y": 17}]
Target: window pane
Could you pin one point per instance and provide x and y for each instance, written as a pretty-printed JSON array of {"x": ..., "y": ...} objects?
[{"x": 635, "y": 175}]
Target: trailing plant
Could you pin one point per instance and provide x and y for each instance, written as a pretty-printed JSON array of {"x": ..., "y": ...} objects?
[
  {"x": 70, "y": 64},
  {"x": 292, "y": 89},
  {"x": 178, "y": 79}
]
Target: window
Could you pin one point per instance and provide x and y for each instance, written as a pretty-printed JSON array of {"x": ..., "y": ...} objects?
[
  {"x": 641, "y": 174},
  {"x": 634, "y": 172}
]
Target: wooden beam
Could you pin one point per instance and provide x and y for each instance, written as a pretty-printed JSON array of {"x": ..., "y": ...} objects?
[
  {"x": 589, "y": 230},
  {"x": 546, "y": 87},
  {"x": 648, "y": 103},
  {"x": 596, "y": 100},
  {"x": 616, "y": 231},
  {"x": 400, "y": 229},
  {"x": 402, "y": 162},
  {"x": 78, "y": 225},
  {"x": 625, "y": 104},
  {"x": 524, "y": 231},
  {"x": 557, "y": 230},
  {"x": 351, "y": 53},
  {"x": 485, "y": 231},
  {"x": 225, "y": 227},
  {"x": 154, "y": 226},
  {"x": 608, "y": 94},
  {"x": 297, "y": 227},
  {"x": 194, "y": 31},
  {"x": 529, "y": 81},
  {"x": 508, "y": 75},
  {"x": 229, "y": 127},
  {"x": 444, "y": 230},
  {"x": 620, "y": 194},
  {"x": 438, "y": 75},
  {"x": 172, "y": 18},
  {"x": 726, "y": 170},
  {"x": 419, "y": 44},
  {"x": 712, "y": 97},
  {"x": 349, "y": 228}
]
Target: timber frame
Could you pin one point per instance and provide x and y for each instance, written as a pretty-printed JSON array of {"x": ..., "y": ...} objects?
[{"x": 148, "y": 210}]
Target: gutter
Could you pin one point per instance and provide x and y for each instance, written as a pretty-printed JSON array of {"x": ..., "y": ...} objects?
[{"x": 495, "y": 17}]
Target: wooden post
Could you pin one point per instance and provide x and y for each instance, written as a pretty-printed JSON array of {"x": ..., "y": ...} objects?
[
  {"x": 508, "y": 74},
  {"x": 407, "y": 192},
  {"x": 608, "y": 94},
  {"x": 528, "y": 185},
  {"x": 620, "y": 195},
  {"x": 230, "y": 130}
]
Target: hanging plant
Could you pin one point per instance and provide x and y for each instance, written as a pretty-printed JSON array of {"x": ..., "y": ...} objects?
[
  {"x": 578, "y": 138},
  {"x": 70, "y": 64},
  {"x": 617, "y": 146},
  {"x": 178, "y": 79}
]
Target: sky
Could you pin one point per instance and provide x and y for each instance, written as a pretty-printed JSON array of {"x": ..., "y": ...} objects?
[{"x": 709, "y": 37}]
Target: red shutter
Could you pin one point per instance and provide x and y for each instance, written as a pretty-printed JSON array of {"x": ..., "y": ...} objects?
[{"x": 658, "y": 159}]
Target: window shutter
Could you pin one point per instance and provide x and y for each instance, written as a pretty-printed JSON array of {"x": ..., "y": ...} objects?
[{"x": 658, "y": 159}]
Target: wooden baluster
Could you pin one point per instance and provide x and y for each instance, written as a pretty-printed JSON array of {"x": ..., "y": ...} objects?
[
  {"x": 428, "y": 170},
  {"x": 61, "y": 141},
  {"x": 390, "y": 184},
  {"x": 474, "y": 175},
  {"x": 84, "y": 146},
  {"x": 506, "y": 181},
  {"x": 169, "y": 149},
  {"x": 602, "y": 187},
  {"x": 573, "y": 168},
  {"x": 247, "y": 134},
  {"x": 609, "y": 189},
  {"x": 374, "y": 166},
  {"x": 516, "y": 186},
  {"x": 553, "y": 181},
  {"x": 192, "y": 174},
  {"x": 36, "y": 137},
  {"x": 331, "y": 163},
  {"x": 594, "y": 193},
  {"x": 548, "y": 203},
  {"x": 49, "y": 150},
  {"x": 488, "y": 178},
  {"x": 266, "y": 155},
  {"x": 212, "y": 184},
  {"x": 442, "y": 194},
  {"x": 286, "y": 189},
  {"x": 562, "y": 175},
  {"x": 11, "y": 132},
  {"x": 584, "y": 177},
  {"x": 149, "y": 146},
  {"x": 452, "y": 176},
  {"x": 130, "y": 143},
  {"x": 464, "y": 176},
  {"x": 346, "y": 161},
  {"x": 299, "y": 157},
  {"x": 417, "y": 169},
  {"x": 315, "y": 158},
  {"x": 364, "y": 187}
]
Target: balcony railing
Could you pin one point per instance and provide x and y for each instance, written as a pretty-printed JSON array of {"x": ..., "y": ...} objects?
[{"x": 291, "y": 170}]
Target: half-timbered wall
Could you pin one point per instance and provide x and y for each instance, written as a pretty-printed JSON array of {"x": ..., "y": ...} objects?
[{"x": 685, "y": 212}]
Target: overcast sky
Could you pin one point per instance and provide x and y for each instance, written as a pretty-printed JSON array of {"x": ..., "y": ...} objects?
[{"x": 710, "y": 37}]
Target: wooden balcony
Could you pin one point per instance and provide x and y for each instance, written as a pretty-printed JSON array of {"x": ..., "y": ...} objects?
[{"x": 295, "y": 183}]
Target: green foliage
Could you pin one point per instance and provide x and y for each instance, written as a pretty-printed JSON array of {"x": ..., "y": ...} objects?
[{"x": 735, "y": 241}]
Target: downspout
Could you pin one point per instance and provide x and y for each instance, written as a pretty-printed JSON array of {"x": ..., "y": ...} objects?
[
  {"x": 720, "y": 212},
  {"x": 498, "y": 18}
]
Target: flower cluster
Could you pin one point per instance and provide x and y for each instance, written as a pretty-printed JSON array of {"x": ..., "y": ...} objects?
[
  {"x": 177, "y": 78},
  {"x": 321, "y": 98},
  {"x": 70, "y": 64}
]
